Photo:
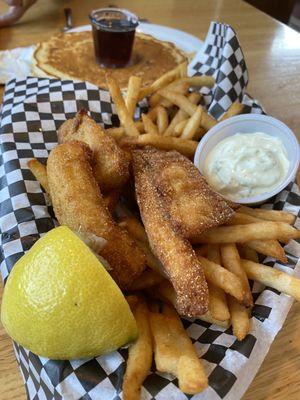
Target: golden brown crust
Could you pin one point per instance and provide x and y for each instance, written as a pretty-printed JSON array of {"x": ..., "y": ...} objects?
[
  {"x": 175, "y": 253},
  {"x": 192, "y": 205},
  {"x": 110, "y": 162},
  {"x": 78, "y": 203}
]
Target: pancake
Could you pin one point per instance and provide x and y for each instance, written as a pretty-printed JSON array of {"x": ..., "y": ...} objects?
[{"x": 71, "y": 56}]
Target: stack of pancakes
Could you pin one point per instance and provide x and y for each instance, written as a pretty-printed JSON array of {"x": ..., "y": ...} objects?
[{"x": 71, "y": 56}]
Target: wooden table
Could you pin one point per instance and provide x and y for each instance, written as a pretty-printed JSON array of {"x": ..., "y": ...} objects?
[{"x": 272, "y": 52}]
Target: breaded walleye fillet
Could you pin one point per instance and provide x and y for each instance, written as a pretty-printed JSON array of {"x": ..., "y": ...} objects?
[
  {"x": 78, "y": 203},
  {"x": 110, "y": 162},
  {"x": 175, "y": 253},
  {"x": 192, "y": 205}
]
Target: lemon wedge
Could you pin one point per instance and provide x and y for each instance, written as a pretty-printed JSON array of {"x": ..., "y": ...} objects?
[{"x": 61, "y": 303}]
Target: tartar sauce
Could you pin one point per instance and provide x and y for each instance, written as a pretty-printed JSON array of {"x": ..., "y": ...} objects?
[{"x": 245, "y": 165}]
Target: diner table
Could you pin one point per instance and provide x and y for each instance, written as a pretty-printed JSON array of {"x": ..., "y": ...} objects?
[{"x": 272, "y": 53}]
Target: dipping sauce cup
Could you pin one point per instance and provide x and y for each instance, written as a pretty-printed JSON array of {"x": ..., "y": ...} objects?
[{"x": 113, "y": 33}]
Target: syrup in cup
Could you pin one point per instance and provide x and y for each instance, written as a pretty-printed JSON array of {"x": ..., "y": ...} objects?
[{"x": 113, "y": 33}]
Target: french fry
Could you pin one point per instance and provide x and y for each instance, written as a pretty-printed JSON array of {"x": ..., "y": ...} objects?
[
  {"x": 139, "y": 124},
  {"x": 164, "y": 80},
  {"x": 132, "y": 95},
  {"x": 183, "y": 70},
  {"x": 149, "y": 125},
  {"x": 134, "y": 228},
  {"x": 193, "y": 125},
  {"x": 40, "y": 173},
  {"x": 245, "y": 233},
  {"x": 207, "y": 317},
  {"x": 200, "y": 132},
  {"x": 193, "y": 81},
  {"x": 147, "y": 279},
  {"x": 165, "y": 291},
  {"x": 231, "y": 261},
  {"x": 182, "y": 85},
  {"x": 217, "y": 303},
  {"x": 155, "y": 100},
  {"x": 239, "y": 218},
  {"x": 248, "y": 253},
  {"x": 271, "y": 248},
  {"x": 235, "y": 109},
  {"x": 183, "y": 146},
  {"x": 217, "y": 298},
  {"x": 116, "y": 133},
  {"x": 273, "y": 277},
  {"x": 174, "y": 352},
  {"x": 207, "y": 122},
  {"x": 181, "y": 115},
  {"x": 139, "y": 354},
  {"x": 178, "y": 86},
  {"x": 240, "y": 318},
  {"x": 270, "y": 215},
  {"x": 221, "y": 277},
  {"x": 165, "y": 103},
  {"x": 199, "y": 81},
  {"x": 152, "y": 114},
  {"x": 123, "y": 114},
  {"x": 194, "y": 98},
  {"x": 214, "y": 254},
  {"x": 179, "y": 128},
  {"x": 169, "y": 77},
  {"x": 179, "y": 100},
  {"x": 177, "y": 119},
  {"x": 162, "y": 119}
]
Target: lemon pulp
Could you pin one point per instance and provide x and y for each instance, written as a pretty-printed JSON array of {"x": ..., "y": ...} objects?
[{"x": 61, "y": 303}]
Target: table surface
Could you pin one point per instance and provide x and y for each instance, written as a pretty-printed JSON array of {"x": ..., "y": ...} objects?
[{"x": 272, "y": 52}]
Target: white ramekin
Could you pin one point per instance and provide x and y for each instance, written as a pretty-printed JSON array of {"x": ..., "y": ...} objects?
[{"x": 250, "y": 123}]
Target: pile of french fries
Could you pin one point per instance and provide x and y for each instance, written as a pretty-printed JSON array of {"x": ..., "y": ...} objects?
[
  {"x": 229, "y": 257},
  {"x": 176, "y": 120}
]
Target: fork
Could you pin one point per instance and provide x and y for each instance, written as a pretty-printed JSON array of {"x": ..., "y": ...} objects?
[{"x": 68, "y": 19}]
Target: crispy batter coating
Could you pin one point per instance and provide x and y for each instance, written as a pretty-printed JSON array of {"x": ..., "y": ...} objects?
[
  {"x": 110, "y": 162},
  {"x": 193, "y": 206},
  {"x": 175, "y": 253},
  {"x": 78, "y": 203}
]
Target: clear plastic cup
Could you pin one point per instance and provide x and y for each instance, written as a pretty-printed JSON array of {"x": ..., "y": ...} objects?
[{"x": 113, "y": 33}]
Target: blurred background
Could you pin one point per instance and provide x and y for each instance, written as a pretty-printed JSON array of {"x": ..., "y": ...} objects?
[{"x": 286, "y": 11}]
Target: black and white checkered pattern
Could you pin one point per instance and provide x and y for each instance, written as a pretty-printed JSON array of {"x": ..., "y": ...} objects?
[
  {"x": 33, "y": 109},
  {"x": 222, "y": 58}
]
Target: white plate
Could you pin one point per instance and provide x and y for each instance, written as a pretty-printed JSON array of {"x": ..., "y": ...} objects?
[{"x": 184, "y": 41}]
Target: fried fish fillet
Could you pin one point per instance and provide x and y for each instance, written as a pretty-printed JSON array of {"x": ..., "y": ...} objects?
[
  {"x": 78, "y": 203},
  {"x": 192, "y": 205},
  {"x": 174, "y": 252},
  {"x": 110, "y": 162}
]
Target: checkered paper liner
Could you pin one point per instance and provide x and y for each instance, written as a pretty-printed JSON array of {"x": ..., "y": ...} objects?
[{"x": 33, "y": 110}]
